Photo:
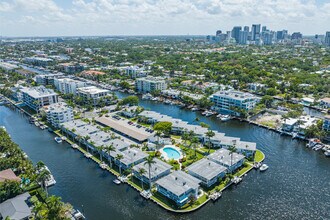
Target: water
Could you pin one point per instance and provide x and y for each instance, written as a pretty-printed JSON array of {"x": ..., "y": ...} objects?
[
  {"x": 296, "y": 186},
  {"x": 171, "y": 153}
]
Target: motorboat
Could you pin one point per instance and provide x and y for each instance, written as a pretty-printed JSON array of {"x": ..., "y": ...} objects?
[
  {"x": 263, "y": 167},
  {"x": 116, "y": 181},
  {"x": 194, "y": 109},
  {"x": 36, "y": 124},
  {"x": 225, "y": 117},
  {"x": 74, "y": 146},
  {"x": 88, "y": 155},
  {"x": 257, "y": 165},
  {"x": 103, "y": 166},
  {"x": 78, "y": 215},
  {"x": 236, "y": 180},
  {"x": 63, "y": 138},
  {"x": 327, "y": 153},
  {"x": 58, "y": 140}
]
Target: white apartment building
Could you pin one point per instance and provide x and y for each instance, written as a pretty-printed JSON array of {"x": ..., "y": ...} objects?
[
  {"x": 225, "y": 100},
  {"x": 92, "y": 92},
  {"x": 37, "y": 97},
  {"x": 149, "y": 84},
  {"x": 47, "y": 79},
  {"x": 58, "y": 113},
  {"x": 68, "y": 86},
  {"x": 135, "y": 72}
]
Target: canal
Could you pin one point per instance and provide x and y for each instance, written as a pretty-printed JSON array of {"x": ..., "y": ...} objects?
[{"x": 296, "y": 186}]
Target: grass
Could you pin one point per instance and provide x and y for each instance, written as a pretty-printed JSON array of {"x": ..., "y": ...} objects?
[
  {"x": 245, "y": 168},
  {"x": 259, "y": 156},
  {"x": 198, "y": 202},
  {"x": 270, "y": 124},
  {"x": 190, "y": 156}
]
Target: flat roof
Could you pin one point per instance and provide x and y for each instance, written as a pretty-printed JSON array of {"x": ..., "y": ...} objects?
[
  {"x": 178, "y": 182},
  {"x": 223, "y": 156},
  {"x": 91, "y": 90},
  {"x": 38, "y": 92},
  {"x": 206, "y": 168},
  {"x": 234, "y": 94},
  {"x": 122, "y": 126},
  {"x": 156, "y": 168},
  {"x": 130, "y": 155}
]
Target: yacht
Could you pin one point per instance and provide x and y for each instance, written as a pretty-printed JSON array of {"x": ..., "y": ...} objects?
[
  {"x": 74, "y": 146},
  {"x": 116, "y": 181},
  {"x": 58, "y": 140},
  {"x": 225, "y": 117},
  {"x": 194, "y": 109},
  {"x": 327, "y": 153},
  {"x": 103, "y": 166},
  {"x": 63, "y": 138},
  {"x": 236, "y": 179},
  {"x": 263, "y": 167},
  {"x": 209, "y": 113}
]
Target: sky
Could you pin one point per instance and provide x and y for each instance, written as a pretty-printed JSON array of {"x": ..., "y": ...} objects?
[{"x": 158, "y": 17}]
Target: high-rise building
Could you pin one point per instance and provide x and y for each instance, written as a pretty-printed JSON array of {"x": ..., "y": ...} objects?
[
  {"x": 327, "y": 38},
  {"x": 246, "y": 28},
  {"x": 243, "y": 36},
  {"x": 37, "y": 97},
  {"x": 255, "y": 31},
  {"x": 150, "y": 84},
  {"x": 235, "y": 33},
  {"x": 268, "y": 38},
  {"x": 296, "y": 36},
  {"x": 218, "y": 33},
  {"x": 264, "y": 29}
]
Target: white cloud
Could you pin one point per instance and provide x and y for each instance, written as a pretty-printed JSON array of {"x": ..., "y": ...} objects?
[{"x": 166, "y": 16}]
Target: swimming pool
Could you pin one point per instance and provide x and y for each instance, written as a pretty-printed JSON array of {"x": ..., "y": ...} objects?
[{"x": 171, "y": 152}]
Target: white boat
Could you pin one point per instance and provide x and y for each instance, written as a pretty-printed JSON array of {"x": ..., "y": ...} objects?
[
  {"x": 74, "y": 146},
  {"x": 78, "y": 215},
  {"x": 147, "y": 96},
  {"x": 327, "y": 153},
  {"x": 209, "y": 113},
  {"x": 317, "y": 147},
  {"x": 63, "y": 138},
  {"x": 103, "y": 166},
  {"x": 236, "y": 179},
  {"x": 36, "y": 124},
  {"x": 88, "y": 155},
  {"x": 194, "y": 109},
  {"x": 263, "y": 167},
  {"x": 257, "y": 165},
  {"x": 116, "y": 181},
  {"x": 51, "y": 180},
  {"x": 215, "y": 196},
  {"x": 58, "y": 140},
  {"x": 225, "y": 117}
]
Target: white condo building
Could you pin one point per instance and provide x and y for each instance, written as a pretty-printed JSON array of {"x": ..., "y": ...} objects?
[
  {"x": 135, "y": 72},
  {"x": 58, "y": 113},
  {"x": 149, "y": 84},
  {"x": 37, "y": 97},
  {"x": 92, "y": 92},
  {"x": 225, "y": 100},
  {"x": 68, "y": 86}
]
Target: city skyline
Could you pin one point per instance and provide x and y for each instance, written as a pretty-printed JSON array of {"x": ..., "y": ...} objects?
[{"x": 140, "y": 17}]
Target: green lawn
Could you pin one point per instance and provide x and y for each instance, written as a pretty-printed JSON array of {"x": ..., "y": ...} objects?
[
  {"x": 190, "y": 156},
  {"x": 245, "y": 168},
  {"x": 259, "y": 156}
]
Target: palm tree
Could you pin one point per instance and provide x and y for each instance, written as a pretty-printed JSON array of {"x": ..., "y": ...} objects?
[
  {"x": 108, "y": 150},
  {"x": 209, "y": 134},
  {"x": 150, "y": 160},
  {"x": 100, "y": 150},
  {"x": 158, "y": 134},
  {"x": 40, "y": 210},
  {"x": 42, "y": 177},
  {"x": 119, "y": 157},
  {"x": 40, "y": 165},
  {"x": 141, "y": 172},
  {"x": 194, "y": 142},
  {"x": 232, "y": 150},
  {"x": 185, "y": 137}
]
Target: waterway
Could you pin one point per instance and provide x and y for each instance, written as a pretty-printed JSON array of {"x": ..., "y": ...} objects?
[{"x": 296, "y": 186}]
